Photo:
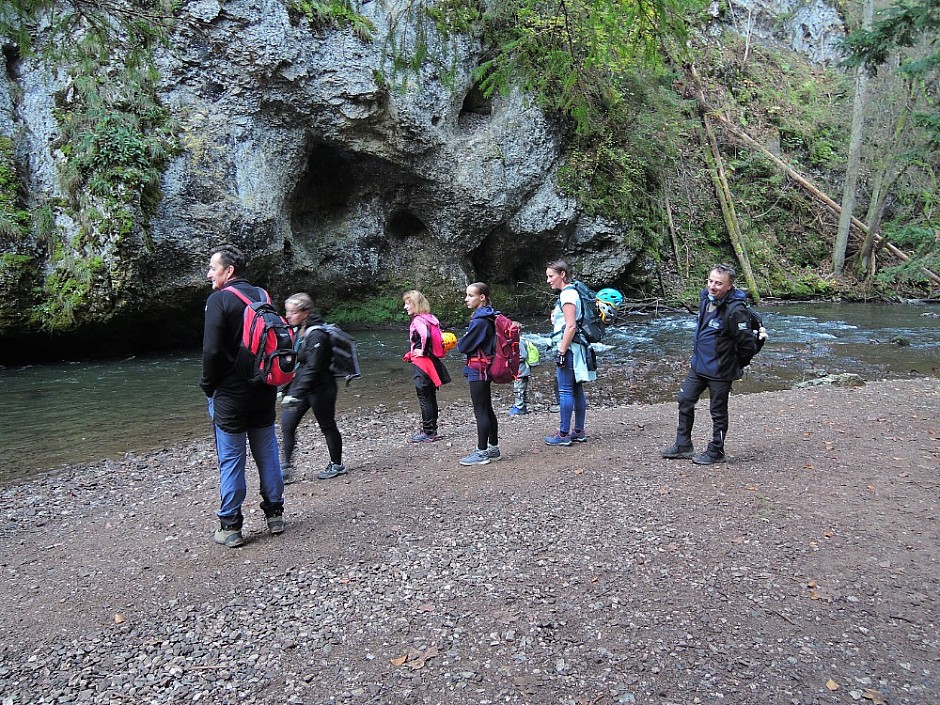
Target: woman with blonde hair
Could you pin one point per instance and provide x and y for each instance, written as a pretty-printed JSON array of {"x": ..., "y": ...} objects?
[{"x": 424, "y": 353}]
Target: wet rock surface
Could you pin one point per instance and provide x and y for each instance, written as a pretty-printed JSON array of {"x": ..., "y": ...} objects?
[{"x": 802, "y": 571}]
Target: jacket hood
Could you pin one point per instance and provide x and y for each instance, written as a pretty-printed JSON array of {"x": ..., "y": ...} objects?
[
  {"x": 484, "y": 311},
  {"x": 430, "y": 318}
]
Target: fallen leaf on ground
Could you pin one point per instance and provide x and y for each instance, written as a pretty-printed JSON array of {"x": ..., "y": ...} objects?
[
  {"x": 119, "y": 618},
  {"x": 875, "y": 696},
  {"x": 415, "y": 659},
  {"x": 832, "y": 685}
]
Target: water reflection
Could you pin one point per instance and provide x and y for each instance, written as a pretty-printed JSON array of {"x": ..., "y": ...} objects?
[{"x": 77, "y": 412}]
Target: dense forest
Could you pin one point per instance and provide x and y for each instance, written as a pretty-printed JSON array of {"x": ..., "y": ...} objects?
[{"x": 706, "y": 144}]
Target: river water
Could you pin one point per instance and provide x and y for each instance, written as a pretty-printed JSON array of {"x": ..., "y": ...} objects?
[{"x": 84, "y": 411}]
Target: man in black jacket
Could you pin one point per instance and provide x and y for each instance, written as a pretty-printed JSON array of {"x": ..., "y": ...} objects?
[
  {"x": 241, "y": 410},
  {"x": 720, "y": 334}
]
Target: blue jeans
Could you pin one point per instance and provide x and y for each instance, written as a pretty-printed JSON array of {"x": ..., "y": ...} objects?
[
  {"x": 571, "y": 397},
  {"x": 232, "y": 452}
]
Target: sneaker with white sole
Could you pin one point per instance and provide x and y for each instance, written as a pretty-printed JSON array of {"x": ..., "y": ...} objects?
[
  {"x": 422, "y": 437},
  {"x": 578, "y": 436},
  {"x": 477, "y": 457},
  {"x": 492, "y": 452},
  {"x": 558, "y": 440},
  {"x": 330, "y": 471}
]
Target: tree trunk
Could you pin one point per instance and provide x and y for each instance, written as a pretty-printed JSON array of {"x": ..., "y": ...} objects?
[
  {"x": 855, "y": 148},
  {"x": 884, "y": 181},
  {"x": 672, "y": 232},
  {"x": 797, "y": 177},
  {"x": 717, "y": 170},
  {"x": 803, "y": 182}
]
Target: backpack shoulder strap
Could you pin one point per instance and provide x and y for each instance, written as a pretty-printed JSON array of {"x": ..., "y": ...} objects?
[
  {"x": 263, "y": 295},
  {"x": 239, "y": 294}
]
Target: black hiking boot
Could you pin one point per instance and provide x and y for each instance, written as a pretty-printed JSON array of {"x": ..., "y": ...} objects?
[
  {"x": 709, "y": 457},
  {"x": 677, "y": 452}
]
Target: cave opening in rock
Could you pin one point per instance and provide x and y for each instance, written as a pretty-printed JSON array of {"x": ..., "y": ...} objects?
[
  {"x": 329, "y": 183},
  {"x": 405, "y": 224},
  {"x": 476, "y": 108},
  {"x": 11, "y": 55}
]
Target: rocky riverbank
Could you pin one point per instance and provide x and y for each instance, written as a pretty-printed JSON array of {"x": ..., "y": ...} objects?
[{"x": 805, "y": 570}]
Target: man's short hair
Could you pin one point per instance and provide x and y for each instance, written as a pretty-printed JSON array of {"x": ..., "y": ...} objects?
[
  {"x": 725, "y": 269},
  {"x": 230, "y": 256}
]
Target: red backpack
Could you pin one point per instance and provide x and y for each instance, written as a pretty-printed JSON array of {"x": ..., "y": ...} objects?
[
  {"x": 268, "y": 339},
  {"x": 504, "y": 367}
]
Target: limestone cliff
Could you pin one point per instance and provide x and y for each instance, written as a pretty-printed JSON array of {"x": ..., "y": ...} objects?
[{"x": 337, "y": 174}]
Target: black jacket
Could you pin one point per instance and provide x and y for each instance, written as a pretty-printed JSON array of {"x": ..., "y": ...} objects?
[
  {"x": 239, "y": 403},
  {"x": 313, "y": 374}
]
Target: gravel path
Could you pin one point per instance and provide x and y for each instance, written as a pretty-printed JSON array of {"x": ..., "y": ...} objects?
[{"x": 803, "y": 571}]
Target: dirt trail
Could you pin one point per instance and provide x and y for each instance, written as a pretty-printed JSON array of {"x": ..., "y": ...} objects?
[{"x": 805, "y": 570}]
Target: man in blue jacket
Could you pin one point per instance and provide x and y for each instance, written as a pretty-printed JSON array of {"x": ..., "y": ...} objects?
[
  {"x": 241, "y": 410},
  {"x": 719, "y": 336}
]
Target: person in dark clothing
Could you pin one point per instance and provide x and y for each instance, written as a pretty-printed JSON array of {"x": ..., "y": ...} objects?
[
  {"x": 719, "y": 335},
  {"x": 313, "y": 387},
  {"x": 426, "y": 348},
  {"x": 479, "y": 345},
  {"x": 240, "y": 409}
]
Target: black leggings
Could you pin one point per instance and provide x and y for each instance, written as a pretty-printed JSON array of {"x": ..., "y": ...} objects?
[
  {"x": 427, "y": 400},
  {"x": 324, "y": 411},
  {"x": 487, "y": 426}
]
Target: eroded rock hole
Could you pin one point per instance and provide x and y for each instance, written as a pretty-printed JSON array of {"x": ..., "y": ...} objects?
[
  {"x": 11, "y": 56},
  {"x": 406, "y": 225},
  {"x": 329, "y": 182},
  {"x": 476, "y": 109}
]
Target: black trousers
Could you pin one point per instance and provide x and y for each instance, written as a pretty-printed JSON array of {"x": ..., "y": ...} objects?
[
  {"x": 427, "y": 401},
  {"x": 487, "y": 426},
  {"x": 718, "y": 391},
  {"x": 324, "y": 411}
]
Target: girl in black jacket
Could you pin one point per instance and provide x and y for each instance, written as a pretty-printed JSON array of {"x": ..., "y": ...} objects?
[{"x": 313, "y": 387}]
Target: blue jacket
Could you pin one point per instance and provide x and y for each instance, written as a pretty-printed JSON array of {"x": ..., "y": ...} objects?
[
  {"x": 718, "y": 335},
  {"x": 480, "y": 335}
]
